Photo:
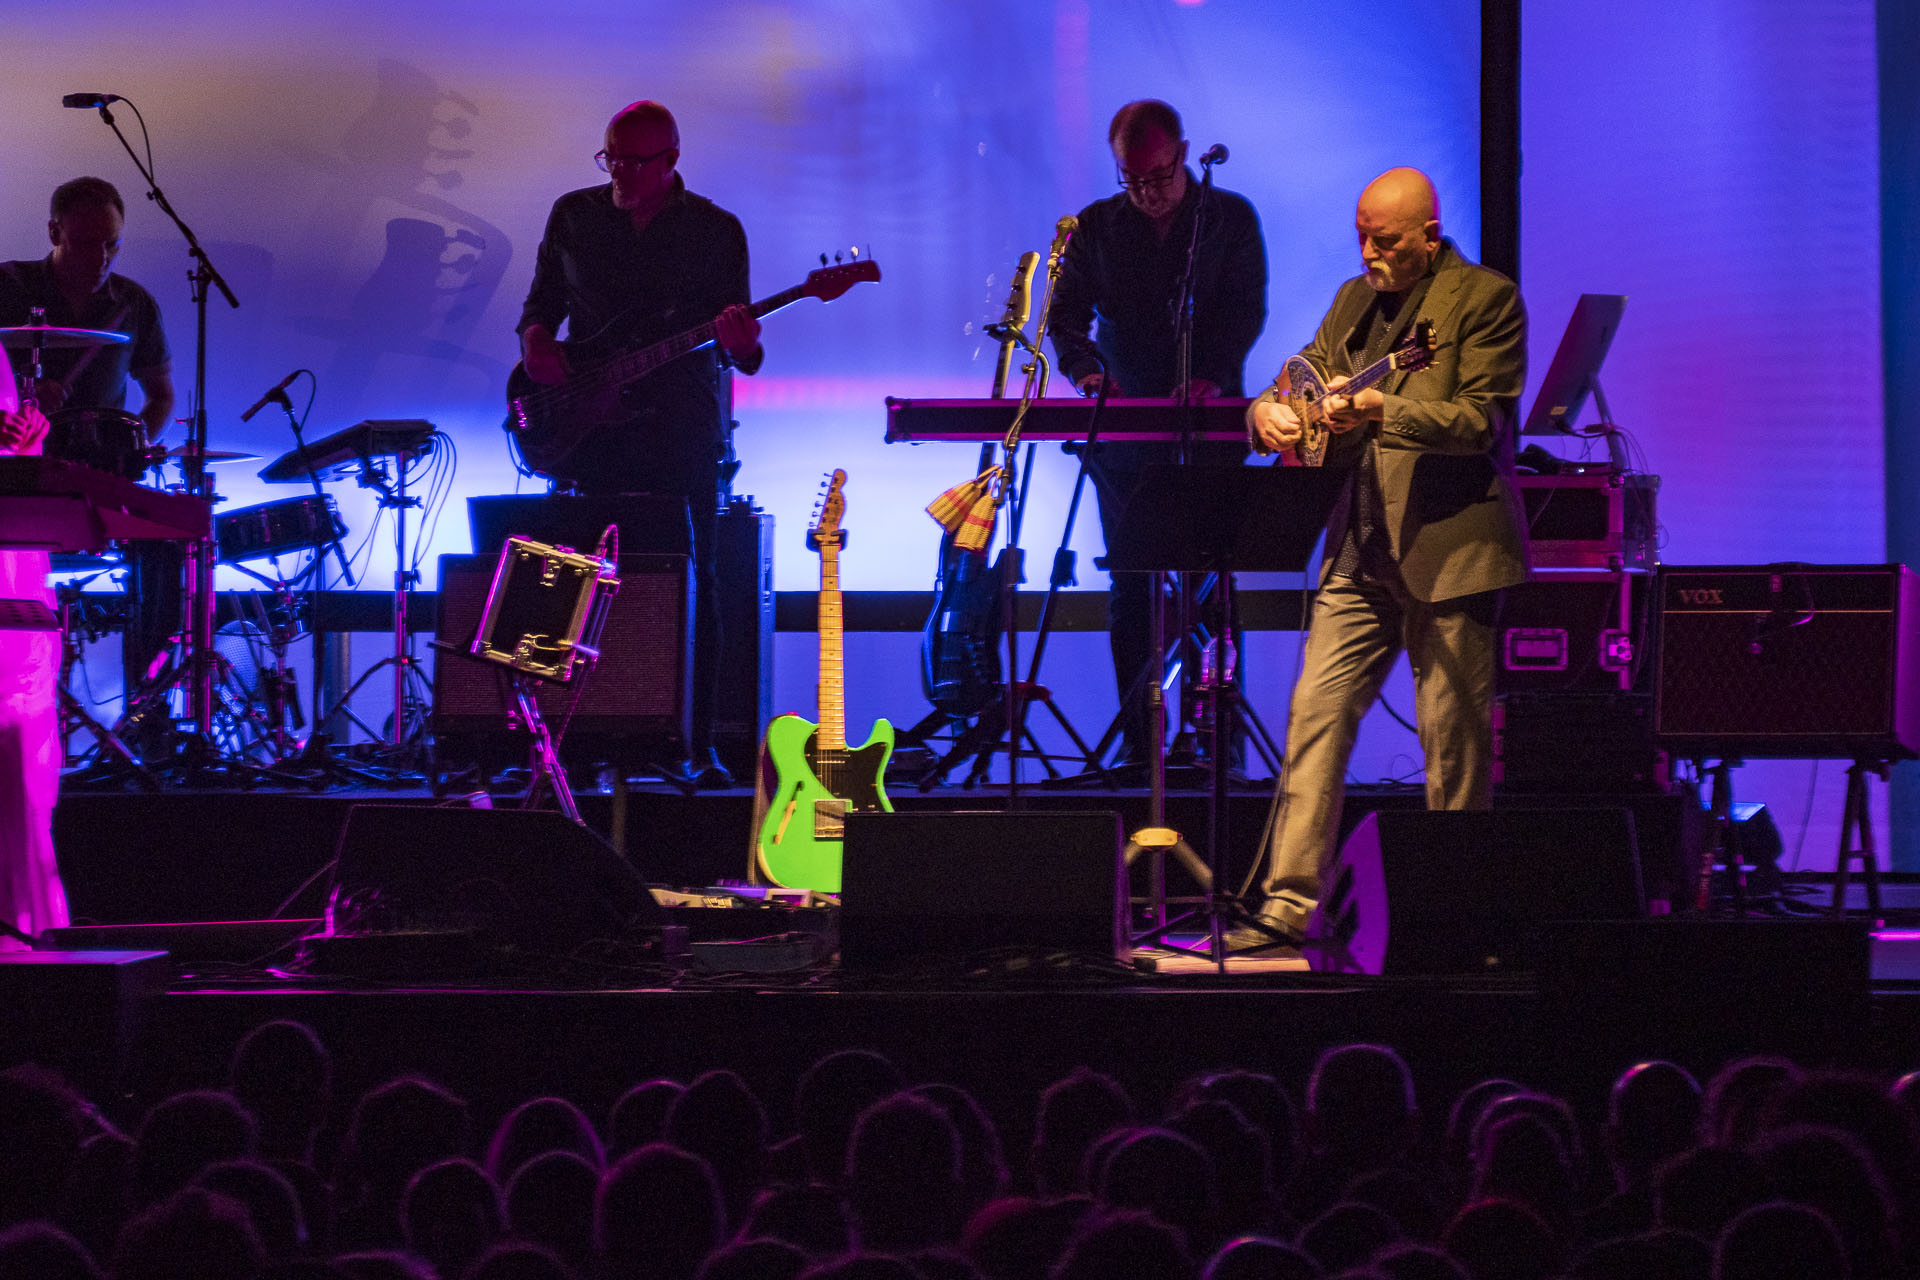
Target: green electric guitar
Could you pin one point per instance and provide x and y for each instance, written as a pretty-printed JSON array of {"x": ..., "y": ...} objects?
[{"x": 818, "y": 780}]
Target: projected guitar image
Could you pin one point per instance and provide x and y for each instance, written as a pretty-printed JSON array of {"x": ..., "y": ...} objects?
[
  {"x": 550, "y": 422},
  {"x": 1307, "y": 388},
  {"x": 818, "y": 779}
]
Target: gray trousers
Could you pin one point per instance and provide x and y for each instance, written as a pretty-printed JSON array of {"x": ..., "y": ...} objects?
[{"x": 1357, "y": 631}]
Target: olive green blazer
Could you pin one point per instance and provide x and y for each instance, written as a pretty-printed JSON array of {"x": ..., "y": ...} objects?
[{"x": 1444, "y": 445}]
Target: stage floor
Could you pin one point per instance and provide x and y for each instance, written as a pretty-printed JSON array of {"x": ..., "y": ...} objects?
[{"x": 1005, "y": 1024}]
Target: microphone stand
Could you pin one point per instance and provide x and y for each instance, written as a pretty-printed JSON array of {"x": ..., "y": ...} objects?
[
  {"x": 300, "y": 446},
  {"x": 1183, "y": 392},
  {"x": 200, "y": 594}
]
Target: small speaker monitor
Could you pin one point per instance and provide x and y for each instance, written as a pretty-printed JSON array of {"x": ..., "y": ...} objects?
[
  {"x": 929, "y": 886},
  {"x": 530, "y": 879}
]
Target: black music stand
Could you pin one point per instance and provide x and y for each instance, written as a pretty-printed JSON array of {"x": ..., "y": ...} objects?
[{"x": 1221, "y": 520}]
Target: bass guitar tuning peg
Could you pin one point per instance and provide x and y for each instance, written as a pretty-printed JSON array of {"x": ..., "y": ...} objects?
[{"x": 823, "y": 259}]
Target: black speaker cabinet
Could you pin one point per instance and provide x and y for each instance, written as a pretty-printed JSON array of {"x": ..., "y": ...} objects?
[
  {"x": 743, "y": 583},
  {"x": 1703, "y": 991},
  {"x": 638, "y": 691},
  {"x": 1789, "y": 660},
  {"x": 528, "y": 878},
  {"x": 1419, "y": 891},
  {"x": 654, "y": 524},
  {"x": 925, "y": 886}
]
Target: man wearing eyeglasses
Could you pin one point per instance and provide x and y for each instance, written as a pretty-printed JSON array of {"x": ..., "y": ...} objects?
[
  {"x": 646, "y": 258},
  {"x": 1113, "y": 322}
]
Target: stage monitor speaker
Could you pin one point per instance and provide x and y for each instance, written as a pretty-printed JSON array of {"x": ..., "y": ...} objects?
[
  {"x": 1789, "y": 660},
  {"x": 1420, "y": 891},
  {"x": 918, "y": 887},
  {"x": 526, "y": 878},
  {"x": 639, "y": 690},
  {"x": 743, "y": 584}
]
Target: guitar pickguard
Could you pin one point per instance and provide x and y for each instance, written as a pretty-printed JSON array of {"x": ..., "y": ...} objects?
[{"x": 798, "y": 844}]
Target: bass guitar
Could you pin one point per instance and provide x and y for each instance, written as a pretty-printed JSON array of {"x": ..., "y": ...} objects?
[
  {"x": 817, "y": 779},
  {"x": 1307, "y": 388},
  {"x": 549, "y": 422}
]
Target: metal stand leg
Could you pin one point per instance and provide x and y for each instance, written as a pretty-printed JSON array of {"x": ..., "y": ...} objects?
[
  {"x": 547, "y": 769},
  {"x": 1722, "y": 844},
  {"x": 78, "y": 716},
  {"x": 1857, "y": 819},
  {"x": 1156, "y": 840}
]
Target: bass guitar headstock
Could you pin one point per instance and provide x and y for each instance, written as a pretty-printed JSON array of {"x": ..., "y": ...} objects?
[
  {"x": 829, "y": 282},
  {"x": 824, "y": 529}
]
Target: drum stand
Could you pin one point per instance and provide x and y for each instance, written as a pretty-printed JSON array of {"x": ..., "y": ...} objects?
[
  {"x": 74, "y": 716},
  {"x": 411, "y": 691}
]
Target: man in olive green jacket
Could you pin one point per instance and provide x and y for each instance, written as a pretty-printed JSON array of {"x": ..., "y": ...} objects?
[{"x": 1425, "y": 535}]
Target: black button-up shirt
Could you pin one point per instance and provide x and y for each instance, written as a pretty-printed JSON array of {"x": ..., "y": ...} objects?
[
  {"x": 605, "y": 278},
  {"x": 1120, "y": 272}
]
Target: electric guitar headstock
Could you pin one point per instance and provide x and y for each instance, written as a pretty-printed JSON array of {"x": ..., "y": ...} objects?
[{"x": 824, "y": 530}]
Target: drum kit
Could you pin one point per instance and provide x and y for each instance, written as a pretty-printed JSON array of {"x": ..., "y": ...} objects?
[{"x": 255, "y": 694}]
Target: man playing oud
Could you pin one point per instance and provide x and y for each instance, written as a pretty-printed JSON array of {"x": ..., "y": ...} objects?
[
  {"x": 1425, "y": 535},
  {"x": 644, "y": 252}
]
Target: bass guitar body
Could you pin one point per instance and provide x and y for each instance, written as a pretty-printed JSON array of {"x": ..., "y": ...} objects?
[
  {"x": 960, "y": 644},
  {"x": 816, "y": 787},
  {"x": 548, "y": 425}
]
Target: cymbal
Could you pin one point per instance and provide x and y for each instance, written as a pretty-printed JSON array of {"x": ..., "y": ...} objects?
[
  {"x": 24, "y": 336},
  {"x": 212, "y": 456},
  {"x": 81, "y": 561}
]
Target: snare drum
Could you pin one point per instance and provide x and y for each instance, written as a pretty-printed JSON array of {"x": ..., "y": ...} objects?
[
  {"x": 107, "y": 439},
  {"x": 275, "y": 528}
]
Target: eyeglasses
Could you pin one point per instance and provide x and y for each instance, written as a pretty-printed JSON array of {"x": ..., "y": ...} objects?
[
  {"x": 1148, "y": 181},
  {"x": 609, "y": 163}
]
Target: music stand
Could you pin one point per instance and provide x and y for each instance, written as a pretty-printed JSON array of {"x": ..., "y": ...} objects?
[{"x": 1185, "y": 518}]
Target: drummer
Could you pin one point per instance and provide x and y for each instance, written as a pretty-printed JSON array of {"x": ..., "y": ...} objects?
[{"x": 76, "y": 288}]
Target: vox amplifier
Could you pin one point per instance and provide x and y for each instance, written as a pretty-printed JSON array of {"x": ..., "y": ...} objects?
[{"x": 1797, "y": 661}]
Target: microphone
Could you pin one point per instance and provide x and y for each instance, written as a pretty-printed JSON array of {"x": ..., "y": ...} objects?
[
  {"x": 278, "y": 393},
  {"x": 1020, "y": 301},
  {"x": 1062, "y": 232},
  {"x": 1215, "y": 154},
  {"x": 84, "y": 100}
]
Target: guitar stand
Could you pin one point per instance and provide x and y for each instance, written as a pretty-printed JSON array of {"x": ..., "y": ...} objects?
[{"x": 986, "y": 734}]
